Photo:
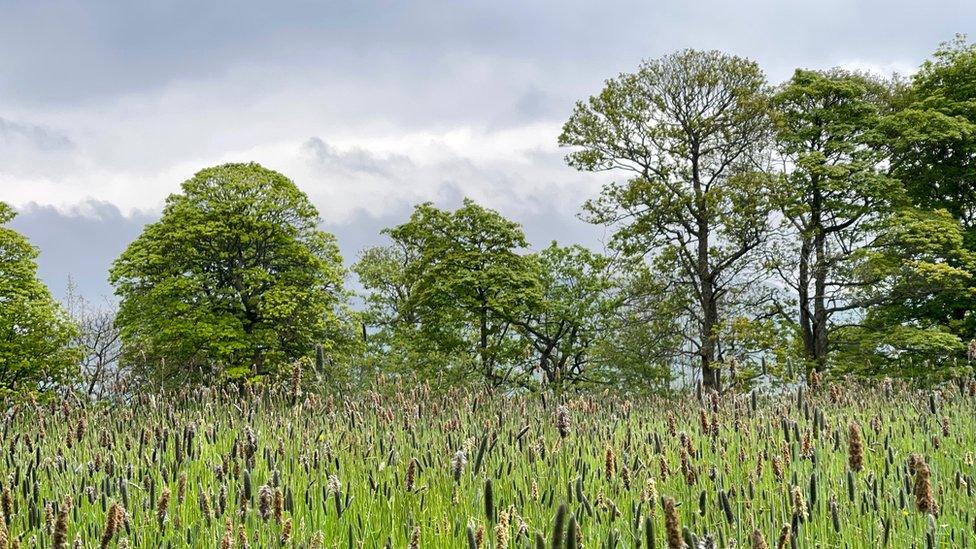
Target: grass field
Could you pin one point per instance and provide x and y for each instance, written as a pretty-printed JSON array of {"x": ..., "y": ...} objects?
[{"x": 818, "y": 467}]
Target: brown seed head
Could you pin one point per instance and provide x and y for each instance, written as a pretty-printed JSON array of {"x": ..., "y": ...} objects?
[
  {"x": 855, "y": 447},
  {"x": 758, "y": 541},
  {"x": 672, "y": 525},
  {"x": 785, "y": 536}
]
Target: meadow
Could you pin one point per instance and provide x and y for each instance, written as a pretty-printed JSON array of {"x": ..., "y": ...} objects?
[{"x": 823, "y": 465}]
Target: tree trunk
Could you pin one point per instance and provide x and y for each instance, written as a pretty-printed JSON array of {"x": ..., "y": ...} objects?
[
  {"x": 711, "y": 377},
  {"x": 709, "y": 311},
  {"x": 483, "y": 342},
  {"x": 803, "y": 290},
  {"x": 818, "y": 351},
  {"x": 819, "y": 354}
]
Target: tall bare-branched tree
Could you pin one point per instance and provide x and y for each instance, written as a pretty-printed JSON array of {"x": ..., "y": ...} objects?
[
  {"x": 691, "y": 132},
  {"x": 100, "y": 373}
]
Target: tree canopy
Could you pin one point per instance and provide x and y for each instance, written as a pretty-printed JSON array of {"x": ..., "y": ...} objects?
[
  {"x": 234, "y": 280},
  {"x": 931, "y": 143},
  {"x": 450, "y": 286},
  {"x": 690, "y": 132},
  {"x": 457, "y": 296},
  {"x": 832, "y": 195},
  {"x": 35, "y": 334}
]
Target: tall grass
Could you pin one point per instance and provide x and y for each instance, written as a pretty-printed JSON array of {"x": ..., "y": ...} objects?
[{"x": 836, "y": 465}]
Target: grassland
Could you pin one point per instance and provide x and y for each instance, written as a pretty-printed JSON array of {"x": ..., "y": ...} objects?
[{"x": 839, "y": 465}]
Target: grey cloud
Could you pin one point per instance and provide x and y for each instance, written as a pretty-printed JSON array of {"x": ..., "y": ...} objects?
[
  {"x": 356, "y": 160},
  {"x": 121, "y": 100},
  {"x": 532, "y": 105},
  {"x": 81, "y": 243},
  {"x": 32, "y": 150},
  {"x": 62, "y": 52},
  {"x": 39, "y": 137},
  {"x": 400, "y": 180}
]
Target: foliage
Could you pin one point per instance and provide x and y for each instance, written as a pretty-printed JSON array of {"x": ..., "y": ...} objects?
[
  {"x": 690, "y": 130},
  {"x": 931, "y": 140},
  {"x": 35, "y": 335},
  {"x": 918, "y": 269},
  {"x": 932, "y": 137},
  {"x": 447, "y": 290},
  {"x": 571, "y": 316},
  {"x": 832, "y": 194},
  {"x": 452, "y": 296},
  {"x": 642, "y": 338},
  {"x": 234, "y": 280}
]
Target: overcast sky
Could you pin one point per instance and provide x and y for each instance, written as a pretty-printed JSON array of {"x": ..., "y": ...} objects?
[{"x": 369, "y": 106}]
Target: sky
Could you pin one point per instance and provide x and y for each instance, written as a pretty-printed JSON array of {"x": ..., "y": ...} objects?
[{"x": 370, "y": 106}]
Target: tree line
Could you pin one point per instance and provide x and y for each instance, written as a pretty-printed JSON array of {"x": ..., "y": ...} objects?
[{"x": 824, "y": 224}]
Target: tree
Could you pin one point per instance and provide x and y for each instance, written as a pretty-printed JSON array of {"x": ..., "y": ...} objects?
[
  {"x": 832, "y": 194},
  {"x": 918, "y": 269},
  {"x": 35, "y": 334},
  {"x": 97, "y": 337},
  {"x": 382, "y": 270},
  {"x": 393, "y": 342},
  {"x": 448, "y": 289},
  {"x": 690, "y": 129},
  {"x": 642, "y": 340},
  {"x": 234, "y": 280},
  {"x": 565, "y": 324},
  {"x": 933, "y": 135},
  {"x": 931, "y": 139}
]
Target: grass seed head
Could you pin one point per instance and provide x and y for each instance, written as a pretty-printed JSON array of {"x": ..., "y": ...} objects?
[
  {"x": 264, "y": 501},
  {"x": 59, "y": 539},
  {"x": 458, "y": 461},
  {"x": 162, "y": 507},
  {"x": 785, "y": 537},
  {"x": 112, "y": 523},
  {"x": 408, "y": 483},
  {"x": 672, "y": 525},
  {"x": 758, "y": 540},
  {"x": 562, "y": 421},
  {"x": 242, "y": 538},
  {"x": 609, "y": 463},
  {"x": 924, "y": 499}
]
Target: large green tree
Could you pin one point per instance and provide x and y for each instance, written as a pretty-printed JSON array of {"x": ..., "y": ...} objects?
[
  {"x": 643, "y": 337},
  {"x": 447, "y": 289},
  {"x": 918, "y": 279},
  {"x": 933, "y": 135},
  {"x": 35, "y": 334},
  {"x": 234, "y": 280},
  {"x": 833, "y": 193},
  {"x": 452, "y": 295},
  {"x": 393, "y": 342},
  {"x": 566, "y": 324},
  {"x": 932, "y": 143},
  {"x": 916, "y": 270},
  {"x": 690, "y": 131}
]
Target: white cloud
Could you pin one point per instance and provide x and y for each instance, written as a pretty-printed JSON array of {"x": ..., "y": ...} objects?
[
  {"x": 884, "y": 70},
  {"x": 325, "y": 130},
  {"x": 515, "y": 168}
]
